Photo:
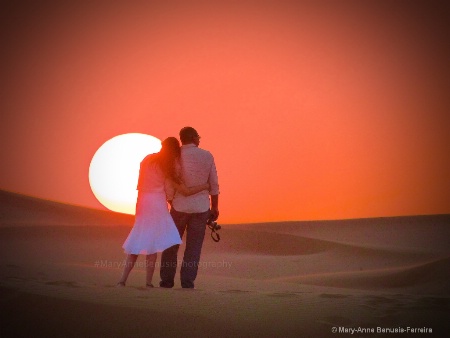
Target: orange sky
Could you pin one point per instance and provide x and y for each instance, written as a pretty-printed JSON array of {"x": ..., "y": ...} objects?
[{"x": 325, "y": 110}]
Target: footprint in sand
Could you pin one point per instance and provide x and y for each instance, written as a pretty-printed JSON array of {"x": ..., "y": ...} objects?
[
  {"x": 235, "y": 291},
  {"x": 142, "y": 297},
  {"x": 336, "y": 321},
  {"x": 13, "y": 266},
  {"x": 42, "y": 275},
  {"x": 68, "y": 284},
  {"x": 430, "y": 303},
  {"x": 379, "y": 300},
  {"x": 283, "y": 294},
  {"x": 7, "y": 295},
  {"x": 333, "y": 295}
]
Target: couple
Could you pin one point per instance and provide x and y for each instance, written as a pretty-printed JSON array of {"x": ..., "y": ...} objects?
[{"x": 186, "y": 177}]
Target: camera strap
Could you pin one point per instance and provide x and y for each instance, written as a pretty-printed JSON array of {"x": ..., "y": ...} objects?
[{"x": 214, "y": 235}]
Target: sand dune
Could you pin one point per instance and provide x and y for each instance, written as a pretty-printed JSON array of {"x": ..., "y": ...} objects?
[
  {"x": 428, "y": 278},
  {"x": 421, "y": 233},
  {"x": 17, "y": 210},
  {"x": 59, "y": 265}
]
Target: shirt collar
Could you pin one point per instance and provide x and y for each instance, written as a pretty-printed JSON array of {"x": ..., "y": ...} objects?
[{"x": 190, "y": 145}]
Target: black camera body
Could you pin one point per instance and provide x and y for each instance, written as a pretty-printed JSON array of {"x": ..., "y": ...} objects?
[{"x": 213, "y": 225}]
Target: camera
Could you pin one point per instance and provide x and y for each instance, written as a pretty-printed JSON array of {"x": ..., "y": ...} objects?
[{"x": 214, "y": 227}]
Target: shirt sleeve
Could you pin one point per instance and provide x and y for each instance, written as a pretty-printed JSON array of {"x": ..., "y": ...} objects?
[{"x": 213, "y": 179}]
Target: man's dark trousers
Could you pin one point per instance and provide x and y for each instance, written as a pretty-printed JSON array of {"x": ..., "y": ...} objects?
[{"x": 195, "y": 226}]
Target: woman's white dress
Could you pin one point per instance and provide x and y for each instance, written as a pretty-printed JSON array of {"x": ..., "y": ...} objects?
[{"x": 154, "y": 229}]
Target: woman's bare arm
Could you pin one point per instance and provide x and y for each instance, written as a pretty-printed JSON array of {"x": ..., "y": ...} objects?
[{"x": 191, "y": 190}]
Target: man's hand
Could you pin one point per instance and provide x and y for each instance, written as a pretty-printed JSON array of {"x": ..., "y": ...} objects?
[
  {"x": 214, "y": 214},
  {"x": 214, "y": 207}
]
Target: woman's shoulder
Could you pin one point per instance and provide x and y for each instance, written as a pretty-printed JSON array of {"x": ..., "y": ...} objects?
[{"x": 148, "y": 160}]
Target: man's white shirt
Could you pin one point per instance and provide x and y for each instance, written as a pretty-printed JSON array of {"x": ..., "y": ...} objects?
[{"x": 197, "y": 167}]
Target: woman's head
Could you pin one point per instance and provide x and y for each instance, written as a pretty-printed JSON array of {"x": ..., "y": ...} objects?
[
  {"x": 167, "y": 157},
  {"x": 170, "y": 147}
]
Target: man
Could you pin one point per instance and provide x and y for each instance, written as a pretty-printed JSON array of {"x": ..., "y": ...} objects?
[{"x": 191, "y": 213}]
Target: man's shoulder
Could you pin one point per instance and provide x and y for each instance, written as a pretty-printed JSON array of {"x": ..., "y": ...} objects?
[
  {"x": 201, "y": 152},
  {"x": 205, "y": 151}
]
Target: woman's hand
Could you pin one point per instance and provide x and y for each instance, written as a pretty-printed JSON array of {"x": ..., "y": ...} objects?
[{"x": 192, "y": 190}]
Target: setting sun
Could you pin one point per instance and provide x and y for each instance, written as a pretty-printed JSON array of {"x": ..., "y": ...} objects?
[{"x": 114, "y": 170}]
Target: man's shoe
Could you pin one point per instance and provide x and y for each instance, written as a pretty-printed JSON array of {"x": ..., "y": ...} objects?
[
  {"x": 187, "y": 285},
  {"x": 166, "y": 285}
]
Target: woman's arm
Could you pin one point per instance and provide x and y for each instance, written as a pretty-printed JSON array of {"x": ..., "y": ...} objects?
[{"x": 190, "y": 191}]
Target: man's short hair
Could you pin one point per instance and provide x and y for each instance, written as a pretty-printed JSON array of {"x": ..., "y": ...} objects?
[{"x": 187, "y": 134}]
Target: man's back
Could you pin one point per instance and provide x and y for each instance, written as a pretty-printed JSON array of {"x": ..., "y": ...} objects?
[{"x": 197, "y": 167}]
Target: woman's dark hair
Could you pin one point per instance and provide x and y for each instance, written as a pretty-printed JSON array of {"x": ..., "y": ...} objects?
[{"x": 167, "y": 157}]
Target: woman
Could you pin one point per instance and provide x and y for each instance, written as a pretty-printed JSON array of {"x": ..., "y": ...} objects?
[{"x": 154, "y": 229}]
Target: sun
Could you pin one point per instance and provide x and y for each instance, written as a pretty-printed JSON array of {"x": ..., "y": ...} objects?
[{"x": 114, "y": 170}]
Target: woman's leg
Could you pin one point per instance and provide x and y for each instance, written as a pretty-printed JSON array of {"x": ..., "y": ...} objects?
[
  {"x": 129, "y": 265},
  {"x": 150, "y": 262}
]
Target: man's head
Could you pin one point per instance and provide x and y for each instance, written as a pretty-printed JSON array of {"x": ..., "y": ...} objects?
[{"x": 189, "y": 135}]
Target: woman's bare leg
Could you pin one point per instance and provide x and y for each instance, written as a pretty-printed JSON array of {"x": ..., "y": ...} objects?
[
  {"x": 129, "y": 265},
  {"x": 150, "y": 261}
]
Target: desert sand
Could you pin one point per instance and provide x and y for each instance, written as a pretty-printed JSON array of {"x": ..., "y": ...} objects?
[{"x": 60, "y": 263}]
